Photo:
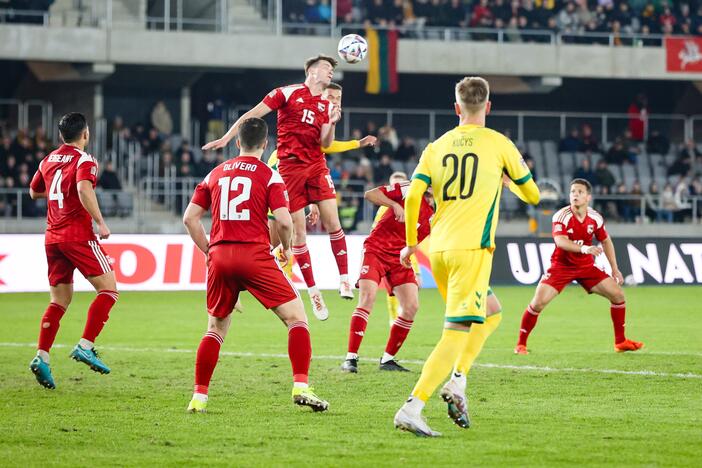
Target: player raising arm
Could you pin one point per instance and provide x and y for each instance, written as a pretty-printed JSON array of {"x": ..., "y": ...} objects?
[
  {"x": 574, "y": 260},
  {"x": 306, "y": 124},
  {"x": 239, "y": 192},
  {"x": 67, "y": 178},
  {"x": 464, "y": 167}
]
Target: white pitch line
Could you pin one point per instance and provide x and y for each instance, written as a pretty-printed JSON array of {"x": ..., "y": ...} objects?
[{"x": 645, "y": 373}]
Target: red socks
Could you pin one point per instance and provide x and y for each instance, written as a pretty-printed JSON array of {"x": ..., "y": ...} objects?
[
  {"x": 299, "y": 351},
  {"x": 206, "y": 360},
  {"x": 618, "y": 313},
  {"x": 398, "y": 333},
  {"x": 338, "y": 246},
  {"x": 359, "y": 321},
  {"x": 98, "y": 313},
  {"x": 302, "y": 256},
  {"x": 49, "y": 326},
  {"x": 528, "y": 323}
]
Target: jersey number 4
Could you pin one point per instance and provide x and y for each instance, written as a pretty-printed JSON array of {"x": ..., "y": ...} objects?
[
  {"x": 55, "y": 189},
  {"x": 459, "y": 170},
  {"x": 228, "y": 209}
]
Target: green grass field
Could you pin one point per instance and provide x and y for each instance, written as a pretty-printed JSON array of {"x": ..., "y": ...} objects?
[{"x": 572, "y": 401}]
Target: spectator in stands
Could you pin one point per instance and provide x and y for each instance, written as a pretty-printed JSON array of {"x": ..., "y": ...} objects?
[
  {"x": 384, "y": 170},
  {"x": 623, "y": 208},
  {"x": 638, "y": 117},
  {"x": 532, "y": 168},
  {"x": 109, "y": 179},
  {"x": 696, "y": 187},
  {"x": 481, "y": 16},
  {"x": 617, "y": 153},
  {"x": 652, "y": 202},
  {"x": 167, "y": 168},
  {"x": 681, "y": 166},
  {"x": 161, "y": 119},
  {"x": 407, "y": 150},
  {"x": 682, "y": 195},
  {"x": 11, "y": 169},
  {"x": 387, "y": 140},
  {"x": 186, "y": 167},
  {"x": 207, "y": 162},
  {"x": 152, "y": 144},
  {"x": 690, "y": 150},
  {"x": 568, "y": 20},
  {"x": 603, "y": 176},
  {"x": 667, "y": 205},
  {"x": 657, "y": 143},
  {"x": 588, "y": 142},
  {"x": 571, "y": 143},
  {"x": 584, "y": 171},
  {"x": 634, "y": 211}
]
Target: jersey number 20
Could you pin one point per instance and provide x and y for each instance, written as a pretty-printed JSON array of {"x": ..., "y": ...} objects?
[
  {"x": 460, "y": 171},
  {"x": 228, "y": 208}
]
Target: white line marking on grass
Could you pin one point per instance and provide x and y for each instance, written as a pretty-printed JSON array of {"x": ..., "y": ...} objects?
[
  {"x": 645, "y": 373},
  {"x": 644, "y": 351}
]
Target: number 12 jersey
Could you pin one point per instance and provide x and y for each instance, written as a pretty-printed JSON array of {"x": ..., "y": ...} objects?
[
  {"x": 465, "y": 167},
  {"x": 240, "y": 192}
]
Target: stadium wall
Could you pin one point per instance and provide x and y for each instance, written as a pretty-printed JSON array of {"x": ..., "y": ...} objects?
[
  {"x": 23, "y": 42},
  {"x": 171, "y": 262}
]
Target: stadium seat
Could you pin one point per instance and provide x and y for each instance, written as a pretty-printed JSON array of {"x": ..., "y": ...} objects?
[
  {"x": 568, "y": 165},
  {"x": 535, "y": 150},
  {"x": 125, "y": 204},
  {"x": 108, "y": 207},
  {"x": 628, "y": 174}
]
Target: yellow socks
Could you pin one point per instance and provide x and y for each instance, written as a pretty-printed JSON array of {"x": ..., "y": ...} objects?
[
  {"x": 477, "y": 337},
  {"x": 393, "y": 307},
  {"x": 440, "y": 362}
]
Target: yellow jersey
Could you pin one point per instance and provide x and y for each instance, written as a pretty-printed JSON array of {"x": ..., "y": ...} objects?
[{"x": 465, "y": 167}]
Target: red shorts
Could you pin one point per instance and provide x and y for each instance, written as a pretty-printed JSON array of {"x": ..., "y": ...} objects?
[
  {"x": 233, "y": 268},
  {"x": 558, "y": 276},
  {"x": 64, "y": 257},
  {"x": 377, "y": 267},
  {"x": 306, "y": 182}
]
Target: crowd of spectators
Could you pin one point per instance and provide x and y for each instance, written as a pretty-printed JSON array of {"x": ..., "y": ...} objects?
[{"x": 571, "y": 17}]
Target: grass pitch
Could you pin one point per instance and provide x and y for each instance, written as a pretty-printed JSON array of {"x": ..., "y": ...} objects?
[{"x": 572, "y": 401}]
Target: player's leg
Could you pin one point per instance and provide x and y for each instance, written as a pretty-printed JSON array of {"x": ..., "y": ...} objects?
[
  {"x": 368, "y": 288},
  {"x": 61, "y": 292},
  {"x": 329, "y": 213},
  {"x": 407, "y": 294},
  {"x": 544, "y": 294},
  {"x": 609, "y": 289},
  {"x": 304, "y": 261},
  {"x": 206, "y": 360}
]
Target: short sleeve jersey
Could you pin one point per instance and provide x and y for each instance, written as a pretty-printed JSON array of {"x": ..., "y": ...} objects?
[
  {"x": 239, "y": 192},
  {"x": 565, "y": 223},
  {"x": 300, "y": 119},
  {"x": 58, "y": 174},
  {"x": 465, "y": 167},
  {"x": 388, "y": 235}
]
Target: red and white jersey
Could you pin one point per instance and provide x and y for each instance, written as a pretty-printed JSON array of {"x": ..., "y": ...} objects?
[
  {"x": 565, "y": 223},
  {"x": 388, "y": 235},
  {"x": 58, "y": 174},
  {"x": 240, "y": 192},
  {"x": 300, "y": 119}
]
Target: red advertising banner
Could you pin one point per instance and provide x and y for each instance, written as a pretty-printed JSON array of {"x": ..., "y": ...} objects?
[{"x": 683, "y": 54}]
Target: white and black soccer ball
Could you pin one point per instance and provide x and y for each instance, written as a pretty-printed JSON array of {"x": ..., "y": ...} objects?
[{"x": 352, "y": 48}]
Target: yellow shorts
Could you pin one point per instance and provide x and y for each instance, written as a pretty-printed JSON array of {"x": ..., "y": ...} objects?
[{"x": 463, "y": 280}]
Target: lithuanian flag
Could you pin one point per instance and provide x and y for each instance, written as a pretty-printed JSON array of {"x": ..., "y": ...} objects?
[{"x": 382, "y": 61}]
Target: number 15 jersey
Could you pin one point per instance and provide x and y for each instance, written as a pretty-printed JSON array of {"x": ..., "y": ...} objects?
[
  {"x": 464, "y": 167},
  {"x": 240, "y": 192}
]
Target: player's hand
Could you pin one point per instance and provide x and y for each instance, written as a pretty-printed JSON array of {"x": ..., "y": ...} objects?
[
  {"x": 335, "y": 114},
  {"x": 313, "y": 216},
  {"x": 399, "y": 212},
  {"x": 215, "y": 144},
  {"x": 618, "y": 277},
  {"x": 284, "y": 256},
  {"x": 594, "y": 250},
  {"x": 506, "y": 180},
  {"x": 103, "y": 231},
  {"x": 405, "y": 255},
  {"x": 368, "y": 140}
]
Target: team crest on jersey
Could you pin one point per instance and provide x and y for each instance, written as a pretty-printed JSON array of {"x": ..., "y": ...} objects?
[
  {"x": 93, "y": 171},
  {"x": 321, "y": 107},
  {"x": 590, "y": 229},
  {"x": 558, "y": 228},
  {"x": 364, "y": 269}
]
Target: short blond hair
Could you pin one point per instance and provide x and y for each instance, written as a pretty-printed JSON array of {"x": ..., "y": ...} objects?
[{"x": 472, "y": 94}]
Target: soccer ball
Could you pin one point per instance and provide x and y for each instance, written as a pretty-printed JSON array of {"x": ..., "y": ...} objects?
[{"x": 352, "y": 48}]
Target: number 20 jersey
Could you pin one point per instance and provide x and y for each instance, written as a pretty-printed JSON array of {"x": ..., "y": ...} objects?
[
  {"x": 464, "y": 167},
  {"x": 239, "y": 193}
]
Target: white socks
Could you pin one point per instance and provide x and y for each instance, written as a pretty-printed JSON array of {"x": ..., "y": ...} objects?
[
  {"x": 43, "y": 355},
  {"x": 351, "y": 356},
  {"x": 459, "y": 379},
  {"x": 414, "y": 405},
  {"x": 386, "y": 357},
  {"x": 300, "y": 385},
  {"x": 200, "y": 397},
  {"x": 85, "y": 344}
]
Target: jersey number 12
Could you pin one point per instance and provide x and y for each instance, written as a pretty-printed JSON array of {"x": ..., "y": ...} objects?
[
  {"x": 460, "y": 171},
  {"x": 228, "y": 209}
]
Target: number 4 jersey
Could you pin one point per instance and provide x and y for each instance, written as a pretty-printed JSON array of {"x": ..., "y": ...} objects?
[
  {"x": 464, "y": 167},
  {"x": 58, "y": 175},
  {"x": 240, "y": 192}
]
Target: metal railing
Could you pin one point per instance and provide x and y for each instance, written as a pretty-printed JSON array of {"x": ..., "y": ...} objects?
[
  {"x": 216, "y": 16},
  {"x": 23, "y": 114}
]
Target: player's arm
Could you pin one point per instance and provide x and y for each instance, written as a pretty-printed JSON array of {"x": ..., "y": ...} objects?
[
  {"x": 608, "y": 249},
  {"x": 515, "y": 168},
  {"x": 88, "y": 199},
  {"x": 192, "y": 219},
  {"x": 260, "y": 110},
  {"x": 378, "y": 197},
  {"x": 329, "y": 128},
  {"x": 413, "y": 201},
  {"x": 37, "y": 188},
  {"x": 516, "y": 189},
  {"x": 562, "y": 242},
  {"x": 343, "y": 146}
]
